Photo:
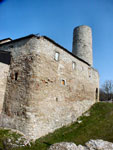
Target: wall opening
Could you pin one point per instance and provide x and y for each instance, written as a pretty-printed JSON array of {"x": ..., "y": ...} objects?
[
  {"x": 5, "y": 57},
  {"x": 73, "y": 65},
  {"x": 56, "y": 99},
  {"x": 63, "y": 82},
  {"x": 16, "y": 76},
  {"x": 57, "y": 55},
  {"x": 96, "y": 93}
]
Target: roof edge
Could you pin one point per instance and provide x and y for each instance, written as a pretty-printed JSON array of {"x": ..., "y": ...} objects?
[
  {"x": 6, "y": 39},
  {"x": 28, "y": 36},
  {"x": 50, "y": 40}
]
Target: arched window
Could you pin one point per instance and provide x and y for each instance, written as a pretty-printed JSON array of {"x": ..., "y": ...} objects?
[{"x": 63, "y": 82}]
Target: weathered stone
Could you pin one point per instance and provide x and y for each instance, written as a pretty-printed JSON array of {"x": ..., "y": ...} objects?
[
  {"x": 99, "y": 145},
  {"x": 4, "y": 70},
  {"x": 82, "y": 43},
  {"x": 63, "y": 146},
  {"x": 91, "y": 145},
  {"x": 67, "y": 146},
  {"x": 43, "y": 94}
]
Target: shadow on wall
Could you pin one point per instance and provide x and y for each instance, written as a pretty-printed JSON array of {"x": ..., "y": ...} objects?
[{"x": 5, "y": 57}]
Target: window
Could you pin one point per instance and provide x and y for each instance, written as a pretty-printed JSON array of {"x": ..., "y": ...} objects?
[
  {"x": 63, "y": 82},
  {"x": 57, "y": 54},
  {"x": 96, "y": 93},
  {"x": 56, "y": 99},
  {"x": 16, "y": 76},
  {"x": 73, "y": 65}
]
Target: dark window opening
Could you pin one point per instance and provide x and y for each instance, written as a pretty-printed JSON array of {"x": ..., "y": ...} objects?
[
  {"x": 5, "y": 57},
  {"x": 96, "y": 93},
  {"x": 16, "y": 76},
  {"x": 63, "y": 82},
  {"x": 56, "y": 99}
]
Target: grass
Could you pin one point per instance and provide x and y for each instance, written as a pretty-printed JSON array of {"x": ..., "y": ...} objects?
[
  {"x": 99, "y": 125},
  {"x": 6, "y": 134}
]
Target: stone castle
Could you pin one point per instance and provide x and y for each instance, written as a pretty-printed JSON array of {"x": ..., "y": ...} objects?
[{"x": 43, "y": 86}]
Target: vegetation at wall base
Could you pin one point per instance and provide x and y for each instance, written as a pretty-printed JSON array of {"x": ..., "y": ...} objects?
[{"x": 97, "y": 125}]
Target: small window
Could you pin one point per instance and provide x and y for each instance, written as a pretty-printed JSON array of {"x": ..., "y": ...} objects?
[
  {"x": 73, "y": 65},
  {"x": 96, "y": 93},
  {"x": 63, "y": 82},
  {"x": 57, "y": 55},
  {"x": 16, "y": 76}
]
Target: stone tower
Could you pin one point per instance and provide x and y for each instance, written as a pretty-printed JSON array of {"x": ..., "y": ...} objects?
[{"x": 82, "y": 43}]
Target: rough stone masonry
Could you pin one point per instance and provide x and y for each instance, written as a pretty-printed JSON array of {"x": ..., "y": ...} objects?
[{"x": 43, "y": 86}]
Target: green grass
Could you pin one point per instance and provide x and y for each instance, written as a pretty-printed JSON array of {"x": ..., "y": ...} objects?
[
  {"x": 99, "y": 125},
  {"x": 7, "y": 134}
]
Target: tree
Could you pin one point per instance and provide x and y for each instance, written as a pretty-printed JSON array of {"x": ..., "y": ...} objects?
[
  {"x": 102, "y": 95},
  {"x": 106, "y": 92}
]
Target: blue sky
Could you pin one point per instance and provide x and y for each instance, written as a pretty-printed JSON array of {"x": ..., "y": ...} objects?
[{"x": 57, "y": 18}]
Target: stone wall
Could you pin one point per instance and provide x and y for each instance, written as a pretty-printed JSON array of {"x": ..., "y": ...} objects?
[
  {"x": 17, "y": 96},
  {"x": 82, "y": 43},
  {"x": 4, "y": 70},
  {"x": 43, "y": 94},
  {"x": 55, "y": 104}
]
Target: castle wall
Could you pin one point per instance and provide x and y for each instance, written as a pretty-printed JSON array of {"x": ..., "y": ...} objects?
[
  {"x": 55, "y": 104},
  {"x": 44, "y": 94},
  {"x": 17, "y": 90},
  {"x": 4, "y": 69}
]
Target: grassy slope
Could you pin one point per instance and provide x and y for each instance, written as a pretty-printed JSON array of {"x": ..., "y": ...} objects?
[
  {"x": 99, "y": 125},
  {"x": 7, "y": 134}
]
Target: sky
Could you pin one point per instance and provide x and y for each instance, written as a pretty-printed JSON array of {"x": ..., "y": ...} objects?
[{"x": 57, "y": 19}]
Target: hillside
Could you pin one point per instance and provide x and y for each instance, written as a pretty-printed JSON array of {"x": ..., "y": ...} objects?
[{"x": 97, "y": 123}]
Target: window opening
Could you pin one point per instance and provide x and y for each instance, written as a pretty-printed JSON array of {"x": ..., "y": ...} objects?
[
  {"x": 16, "y": 76},
  {"x": 56, "y": 99},
  {"x": 73, "y": 65},
  {"x": 57, "y": 54},
  {"x": 96, "y": 93},
  {"x": 63, "y": 82}
]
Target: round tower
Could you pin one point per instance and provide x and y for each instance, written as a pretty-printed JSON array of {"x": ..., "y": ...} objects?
[{"x": 82, "y": 43}]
